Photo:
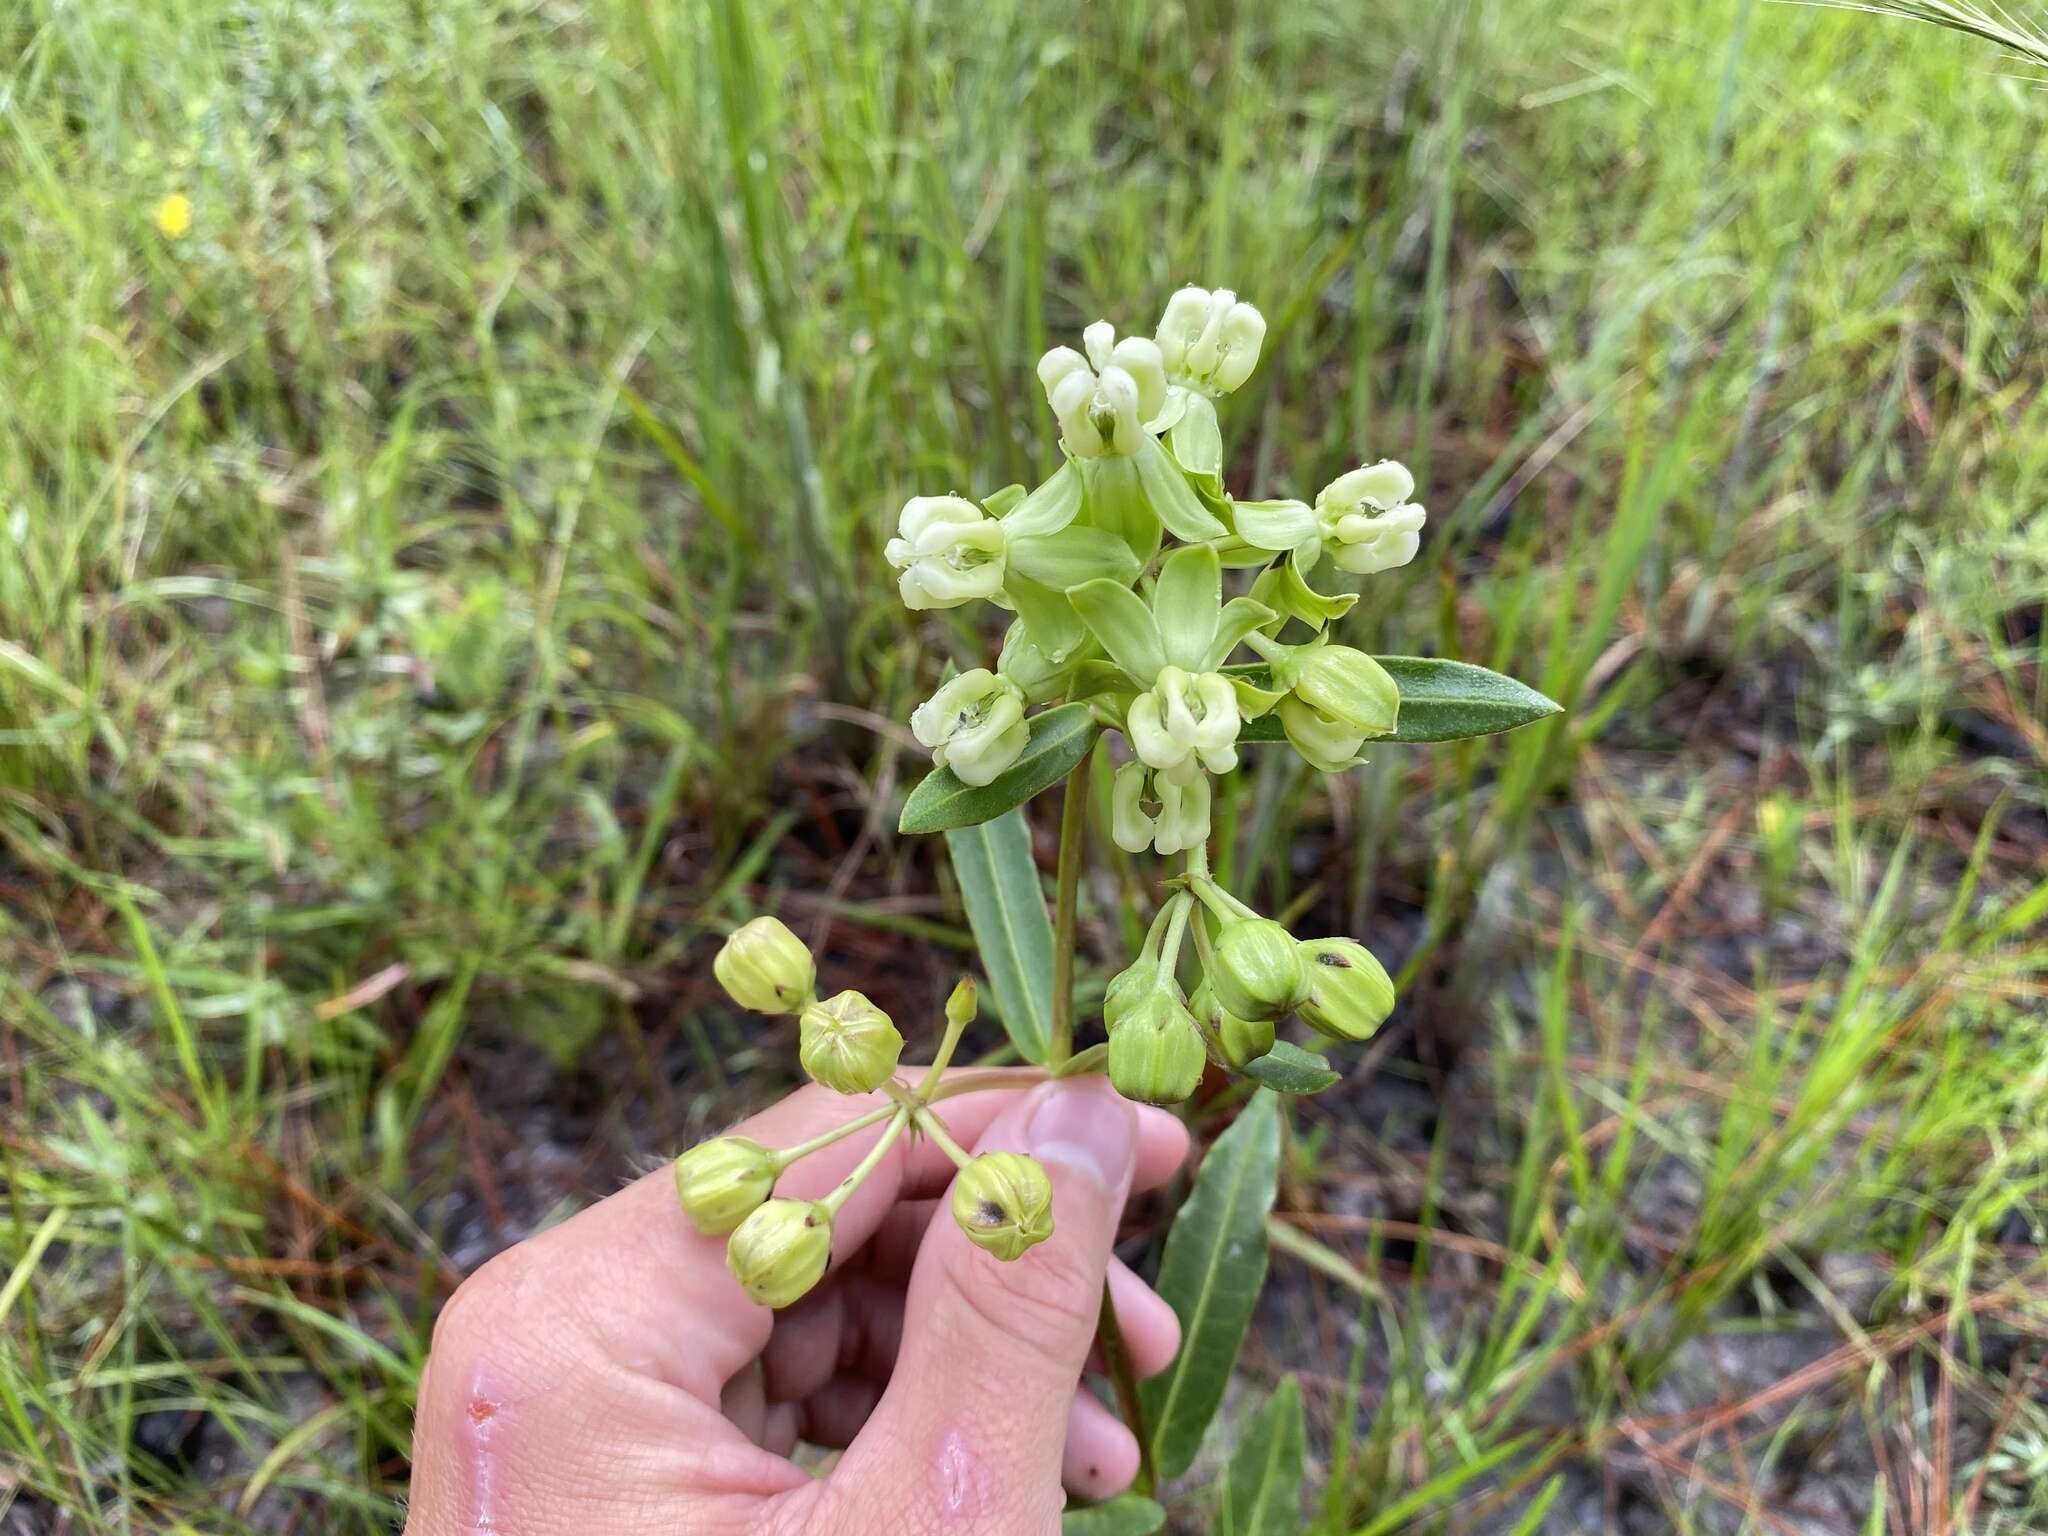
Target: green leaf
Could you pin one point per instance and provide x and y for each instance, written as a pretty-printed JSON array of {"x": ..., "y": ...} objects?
[
  {"x": 1214, "y": 1267},
  {"x": 1118, "y": 617},
  {"x": 1173, "y": 500},
  {"x": 1006, "y": 909},
  {"x": 1072, "y": 556},
  {"x": 1262, "y": 1486},
  {"x": 1128, "y": 1514},
  {"x": 1048, "y": 509},
  {"x": 1289, "y": 1069},
  {"x": 1440, "y": 701},
  {"x": 1060, "y": 738},
  {"x": 1187, "y": 603},
  {"x": 1274, "y": 525}
]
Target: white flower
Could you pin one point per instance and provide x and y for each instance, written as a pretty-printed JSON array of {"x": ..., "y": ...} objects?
[
  {"x": 1182, "y": 819},
  {"x": 1210, "y": 340},
  {"x": 974, "y": 725},
  {"x": 1187, "y": 718},
  {"x": 949, "y": 551},
  {"x": 1103, "y": 400},
  {"x": 1367, "y": 519}
]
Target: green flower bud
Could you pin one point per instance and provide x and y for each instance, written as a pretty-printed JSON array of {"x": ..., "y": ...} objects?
[
  {"x": 781, "y": 1250},
  {"x": 1233, "y": 1043},
  {"x": 1155, "y": 1050},
  {"x": 1349, "y": 991},
  {"x": 765, "y": 967},
  {"x": 1126, "y": 990},
  {"x": 1348, "y": 687},
  {"x": 722, "y": 1182},
  {"x": 1257, "y": 972},
  {"x": 848, "y": 1044},
  {"x": 1003, "y": 1202},
  {"x": 963, "y": 1002}
]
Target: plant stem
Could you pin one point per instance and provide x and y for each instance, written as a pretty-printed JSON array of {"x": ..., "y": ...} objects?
[
  {"x": 1083, "y": 1062},
  {"x": 1123, "y": 1378},
  {"x": 955, "y": 1027},
  {"x": 1073, "y": 832},
  {"x": 935, "y": 1128},
  {"x": 787, "y": 1155},
  {"x": 866, "y": 1166}
]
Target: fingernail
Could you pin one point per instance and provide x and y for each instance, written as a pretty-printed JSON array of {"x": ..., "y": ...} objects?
[{"x": 1087, "y": 1127}]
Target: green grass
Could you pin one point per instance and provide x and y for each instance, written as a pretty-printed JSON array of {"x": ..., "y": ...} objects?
[{"x": 441, "y": 590}]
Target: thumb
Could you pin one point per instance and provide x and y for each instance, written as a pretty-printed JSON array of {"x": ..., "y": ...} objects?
[{"x": 974, "y": 1422}]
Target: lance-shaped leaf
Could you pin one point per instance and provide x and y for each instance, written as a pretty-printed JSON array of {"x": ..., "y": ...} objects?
[
  {"x": 1118, "y": 618},
  {"x": 1006, "y": 909},
  {"x": 1440, "y": 701},
  {"x": 1213, "y": 1269},
  {"x": 1048, "y": 509},
  {"x": 1262, "y": 1486},
  {"x": 1287, "y": 1068},
  {"x": 1059, "y": 739}
]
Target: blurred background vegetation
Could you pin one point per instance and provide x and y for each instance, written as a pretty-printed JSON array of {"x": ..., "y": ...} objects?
[{"x": 440, "y": 592}]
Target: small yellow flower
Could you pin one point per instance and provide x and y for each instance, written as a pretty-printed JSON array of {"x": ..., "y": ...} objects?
[{"x": 174, "y": 215}]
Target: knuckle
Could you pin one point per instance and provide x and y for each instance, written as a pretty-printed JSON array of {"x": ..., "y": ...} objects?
[{"x": 1044, "y": 1296}]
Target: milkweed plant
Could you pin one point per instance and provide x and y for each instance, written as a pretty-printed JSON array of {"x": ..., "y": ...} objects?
[{"x": 1116, "y": 570}]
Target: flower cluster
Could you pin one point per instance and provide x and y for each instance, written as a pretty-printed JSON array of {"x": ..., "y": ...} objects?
[
  {"x": 1115, "y": 570},
  {"x": 778, "y": 1249}
]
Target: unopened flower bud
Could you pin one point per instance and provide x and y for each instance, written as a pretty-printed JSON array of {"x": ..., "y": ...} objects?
[
  {"x": 1233, "y": 1043},
  {"x": 722, "y": 1182},
  {"x": 1349, "y": 991},
  {"x": 1155, "y": 1050},
  {"x": 1257, "y": 972},
  {"x": 1211, "y": 340},
  {"x": 848, "y": 1044},
  {"x": 765, "y": 967},
  {"x": 780, "y": 1252},
  {"x": 949, "y": 551},
  {"x": 1003, "y": 1202},
  {"x": 1367, "y": 519},
  {"x": 974, "y": 725},
  {"x": 963, "y": 1002},
  {"x": 1127, "y": 989}
]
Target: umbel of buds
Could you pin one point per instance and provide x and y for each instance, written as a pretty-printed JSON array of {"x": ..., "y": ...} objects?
[
  {"x": 765, "y": 967},
  {"x": 781, "y": 1250},
  {"x": 848, "y": 1044},
  {"x": 722, "y": 1182},
  {"x": 1003, "y": 1202}
]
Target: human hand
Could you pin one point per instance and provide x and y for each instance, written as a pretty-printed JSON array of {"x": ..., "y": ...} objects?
[{"x": 609, "y": 1376}]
